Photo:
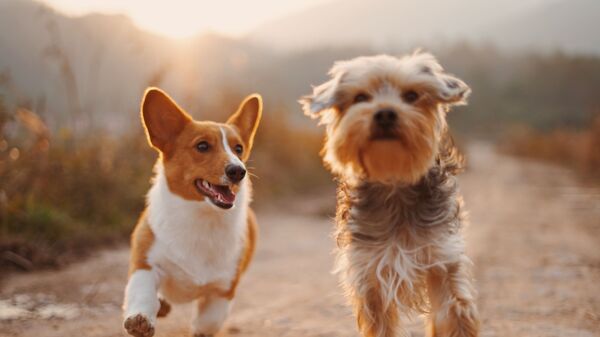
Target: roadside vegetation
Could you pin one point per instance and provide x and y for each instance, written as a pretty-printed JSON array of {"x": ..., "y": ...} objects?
[{"x": 577, "y": 149}]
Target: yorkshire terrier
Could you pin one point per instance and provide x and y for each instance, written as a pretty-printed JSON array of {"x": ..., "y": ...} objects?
[{"x": 400, "y": 248}]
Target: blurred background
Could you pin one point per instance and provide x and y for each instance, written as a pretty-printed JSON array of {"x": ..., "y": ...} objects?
[{"x": 75, "y": 166}]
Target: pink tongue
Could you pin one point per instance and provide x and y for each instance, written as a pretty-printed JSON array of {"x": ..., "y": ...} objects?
[{"x": 226, "y": 193}]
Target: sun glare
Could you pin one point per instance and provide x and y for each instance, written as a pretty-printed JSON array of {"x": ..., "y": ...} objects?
[
  {"x": 186, "y": 18},
  {"x": 176, "y": 23}
]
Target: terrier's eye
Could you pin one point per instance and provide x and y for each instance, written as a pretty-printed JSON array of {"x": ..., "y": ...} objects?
[
  {"x": 362, "y": 97},
  {"x": 410, "y": 96},
  {"x": 202, "y": 146},
  {"x": 239, "y": 149}
]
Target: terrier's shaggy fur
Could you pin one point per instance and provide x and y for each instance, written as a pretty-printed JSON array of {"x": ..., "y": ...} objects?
[{"x": 399, "y": 210}]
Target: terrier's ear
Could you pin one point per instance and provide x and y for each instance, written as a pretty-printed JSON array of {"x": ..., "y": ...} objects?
[
  {"x": 321, "y": 99},
  {"x": 445, "y": 88},
  {"x": 163, "y": 119},
  {"x": 246, "y": 119},
  {"x": 323, "y": 96},
  {"x": 452, "y": 90}
]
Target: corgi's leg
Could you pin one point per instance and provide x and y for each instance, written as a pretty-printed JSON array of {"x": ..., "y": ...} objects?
[
  {"x": 164, "y": 308},
  {"x": 210, "y": 312},
  {"x": 209, "y": 315},
  {"x": 141, "y": 303}
]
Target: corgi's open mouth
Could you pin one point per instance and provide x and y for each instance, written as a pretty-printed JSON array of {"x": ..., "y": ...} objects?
[{"x": 220, "y": 195}]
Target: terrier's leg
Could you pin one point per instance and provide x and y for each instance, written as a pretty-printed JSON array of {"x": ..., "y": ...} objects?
[
  {"x": 453, "y": 309},
  {"x": 141, "y": 303},
  {"x": 209, "y": 315},
  {"x": 374, "y": 318}
]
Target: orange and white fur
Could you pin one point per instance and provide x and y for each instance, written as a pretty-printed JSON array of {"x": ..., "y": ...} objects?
[
  {"x": 400, "y": 248},
  {"x": 197, "y": 234}
]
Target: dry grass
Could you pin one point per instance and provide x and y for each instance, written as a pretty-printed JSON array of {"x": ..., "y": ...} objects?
[
  {"x": 60, "y": 195},
  {"x": 577, "y": 149}
]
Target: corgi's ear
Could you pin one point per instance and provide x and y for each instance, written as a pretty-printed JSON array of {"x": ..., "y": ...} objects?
[
  {"x": 246, "y": 119},
  {"x": 163, "y": 119}
]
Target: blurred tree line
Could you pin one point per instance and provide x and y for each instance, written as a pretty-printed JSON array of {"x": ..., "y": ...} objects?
[
  {"x": 63, "y": 191},
  {"x": 543, "y": 91}
]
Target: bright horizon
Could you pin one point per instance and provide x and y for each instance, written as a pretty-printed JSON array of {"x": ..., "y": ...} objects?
[{"x": 181, "y": 18}]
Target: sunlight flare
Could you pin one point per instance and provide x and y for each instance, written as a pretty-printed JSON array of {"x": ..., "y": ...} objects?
[{"x": 183, "y": 19}]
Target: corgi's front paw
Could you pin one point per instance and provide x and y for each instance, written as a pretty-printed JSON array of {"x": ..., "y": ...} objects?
[{"x": 139, "y": 325}]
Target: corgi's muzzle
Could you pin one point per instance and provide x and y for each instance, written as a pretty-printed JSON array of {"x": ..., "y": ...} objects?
[{"x": 220, "y": 195}]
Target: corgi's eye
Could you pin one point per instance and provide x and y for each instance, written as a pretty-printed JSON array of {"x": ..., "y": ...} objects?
[
  {"x": 239, "y": 149},
  {"x": 410, "y": 96},
  {"x": 361, "y": 97},
  {"x": 202, "y": 146}
]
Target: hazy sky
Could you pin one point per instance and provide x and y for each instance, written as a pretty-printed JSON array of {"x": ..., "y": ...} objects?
[{"x": 183, "y": 18}]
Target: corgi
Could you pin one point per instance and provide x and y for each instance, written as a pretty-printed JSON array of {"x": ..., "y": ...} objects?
[{"x": 197, "y": 235}]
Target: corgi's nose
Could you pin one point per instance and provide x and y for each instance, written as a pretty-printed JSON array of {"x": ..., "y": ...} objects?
[{"x": 235, "y": 173}]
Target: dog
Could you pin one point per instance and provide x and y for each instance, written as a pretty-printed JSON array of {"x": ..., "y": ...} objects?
[
  {"x": 197, "y": 234},
  {"x": 400, "y": 249}
]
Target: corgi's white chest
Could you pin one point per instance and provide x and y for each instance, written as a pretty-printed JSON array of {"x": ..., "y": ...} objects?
[{"x": 195, "y": 242}]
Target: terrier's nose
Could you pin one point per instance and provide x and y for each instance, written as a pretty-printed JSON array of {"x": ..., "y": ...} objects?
[
  {"x": 235, "y": 173},
  {"x": 385, "y": 118}
]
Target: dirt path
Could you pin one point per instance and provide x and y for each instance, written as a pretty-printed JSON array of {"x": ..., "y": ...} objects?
[{"x": 534, "y": 238}]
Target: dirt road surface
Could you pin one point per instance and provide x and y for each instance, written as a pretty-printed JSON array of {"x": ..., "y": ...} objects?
[{"x": 534, "y": 237}]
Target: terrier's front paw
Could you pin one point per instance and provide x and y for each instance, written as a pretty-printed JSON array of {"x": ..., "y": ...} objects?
[
  {"x": 461, "y": 320},
  {"x": 203, "y": 335},
  {"x": 139, "y": 326}
]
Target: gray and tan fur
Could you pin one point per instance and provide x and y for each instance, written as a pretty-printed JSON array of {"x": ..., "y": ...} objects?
[{"x": 400, "y": 248}]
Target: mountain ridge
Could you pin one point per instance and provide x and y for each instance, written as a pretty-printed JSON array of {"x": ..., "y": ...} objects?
[{"x": 511, "y": 25}]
